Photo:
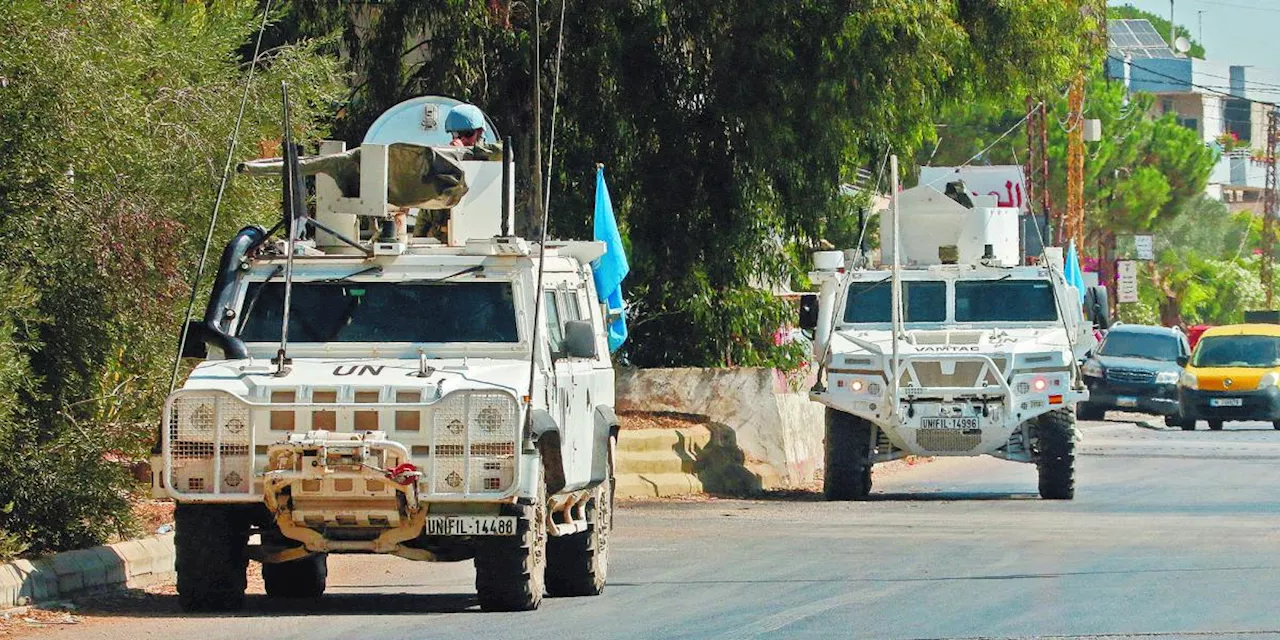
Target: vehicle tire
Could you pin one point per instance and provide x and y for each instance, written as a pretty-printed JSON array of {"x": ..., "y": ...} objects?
[
  {"x": 511, "y": 570},
  {"x": 301, "y": 578},
  {"x": 1056, "y": 454},
  {"x": 578, "y": 565},
  {"x": 847, "y": 475},
  {"x": 1215, "y": 425},
  {"x": 1276, "y": 424},
  {"x": 211, "y": 556},
  {"x": 1091, "y": 411},
  {"x": 1187, "y": 424}
]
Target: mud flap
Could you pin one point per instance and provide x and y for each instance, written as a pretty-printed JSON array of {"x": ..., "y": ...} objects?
[
  {"x": 546, "y": 437},
  {"x": 606, "y": 426}
]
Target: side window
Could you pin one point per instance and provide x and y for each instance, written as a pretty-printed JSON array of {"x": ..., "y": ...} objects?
[
  {"x": 572, "y": 309},
  {"x": 555, "y": 330}
]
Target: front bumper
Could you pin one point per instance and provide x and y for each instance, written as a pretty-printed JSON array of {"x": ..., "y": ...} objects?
[
  {"x": 1261, "y": 404},
  {"x": 1161, "y": 399}
]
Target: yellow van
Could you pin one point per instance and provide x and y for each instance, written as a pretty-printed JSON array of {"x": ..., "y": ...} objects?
[{"x": 1233, "y": 375}]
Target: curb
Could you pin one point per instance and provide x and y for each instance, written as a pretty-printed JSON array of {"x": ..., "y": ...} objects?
[{"x": 133, "y": 563}]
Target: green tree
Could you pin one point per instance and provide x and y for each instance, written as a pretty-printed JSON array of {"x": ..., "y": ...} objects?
[
  {"x": 114, "y": 121},
  {"x": 727, "y": 126}
]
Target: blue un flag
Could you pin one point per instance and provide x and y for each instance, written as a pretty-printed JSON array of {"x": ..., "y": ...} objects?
[
  {"x": 1072, "y": 272},
  {"x": 610, "y": 268}
]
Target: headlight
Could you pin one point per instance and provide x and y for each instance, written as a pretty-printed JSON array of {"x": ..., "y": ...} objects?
[
  {"x": 1167, "y": 377},
  {"x": 864, "y": 387},
  {"x": 1189, "y": 381},
  {"x": 1270, "y": 380},
  {"x": 1092, "y": 369}
]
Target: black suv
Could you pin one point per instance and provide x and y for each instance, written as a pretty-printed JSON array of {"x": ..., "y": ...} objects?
[{"x": 1135, "y": 367}]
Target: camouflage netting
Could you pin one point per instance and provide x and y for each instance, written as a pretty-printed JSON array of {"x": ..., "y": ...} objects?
[{"x": 421, "y": 177}]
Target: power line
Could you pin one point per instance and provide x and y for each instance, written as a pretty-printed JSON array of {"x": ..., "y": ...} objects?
[
  {"x": 993, "y": 144},
  {"x": 1182, "y": 81},
  {"x": 1237, "y": 6}
]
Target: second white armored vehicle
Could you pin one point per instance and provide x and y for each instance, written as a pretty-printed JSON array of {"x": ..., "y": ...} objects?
[{"x": 978, "y": 358}]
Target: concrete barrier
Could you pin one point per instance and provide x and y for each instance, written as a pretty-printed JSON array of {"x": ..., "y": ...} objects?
[
  {"x": 135, "y": 563},
  {"x": 660, "y": 463},
  {"x": 769, "y": 416}
]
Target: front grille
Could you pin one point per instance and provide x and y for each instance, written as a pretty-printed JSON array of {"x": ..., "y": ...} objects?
[
  {"x": 467, "y": 443},
  {"x": 210, "y": 444},
  {"x": 948, "y": 439},
  {"x": 1131, "y": 376},
  {"x": 965, "y": 374},
  {"x": 483, "y": 424}
]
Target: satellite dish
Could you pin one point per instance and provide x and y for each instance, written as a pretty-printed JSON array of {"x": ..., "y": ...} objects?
[{"x": 1181, "y": 45}]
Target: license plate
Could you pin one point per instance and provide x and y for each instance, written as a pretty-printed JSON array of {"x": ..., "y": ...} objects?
[
  {"x": 471, "y": 525},
  {"x": 1226, "y": 402},
  {"x": 1125, "y": 401},
  {"x": 948, "y": 423}
]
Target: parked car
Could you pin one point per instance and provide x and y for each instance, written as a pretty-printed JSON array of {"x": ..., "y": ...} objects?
[
  {"x": 1136, "y": 367},
  {"x": 1233, "y": 375}
]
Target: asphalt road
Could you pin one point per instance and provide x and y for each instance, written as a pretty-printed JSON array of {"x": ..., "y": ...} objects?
[{"x": 1171, "y": 534}]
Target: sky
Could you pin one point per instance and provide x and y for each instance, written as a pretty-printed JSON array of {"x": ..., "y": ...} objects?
[{"x": 1235, "y": 32}]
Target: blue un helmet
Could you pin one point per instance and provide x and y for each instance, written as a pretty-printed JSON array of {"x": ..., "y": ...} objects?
[{"x": 464, "y": 117}]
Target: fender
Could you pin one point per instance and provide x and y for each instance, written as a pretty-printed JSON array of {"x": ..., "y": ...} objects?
[{"x": 546, "y": 437}]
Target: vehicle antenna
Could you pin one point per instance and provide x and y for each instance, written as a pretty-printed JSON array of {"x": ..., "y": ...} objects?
[
  {"x": 293, "y": 199},
  {"x": 217, "y": 201},
  {"x": 546, "y": 211}
]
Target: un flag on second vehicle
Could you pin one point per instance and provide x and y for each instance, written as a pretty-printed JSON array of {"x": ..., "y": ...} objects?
[
  {"x": 1072, "y": 272},
  {"x": 611, "y": 268}
]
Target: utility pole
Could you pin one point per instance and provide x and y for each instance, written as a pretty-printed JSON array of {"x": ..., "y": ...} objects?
[
  {"x": 1029, "y": 172},
  {"x": 1044, "y": 166},
  {"x": 1073, "y": 223},
  {"x": 1269, "y": 207},
  {"x": 1173, "y": 28},
  {"x": 1200, "y": 18}
]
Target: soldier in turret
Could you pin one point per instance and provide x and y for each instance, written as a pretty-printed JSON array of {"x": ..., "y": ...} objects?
[{"x": 466, "y": 123}]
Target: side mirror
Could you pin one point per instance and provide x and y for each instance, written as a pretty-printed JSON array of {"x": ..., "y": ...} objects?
[
  {"x": 809, "y": 311},
  {"x": 194, "y": 346},
  {"x": 579, "y": 339},
  {"x": 1096, "y": 307},
  {"x": 1183, "y": 361}
]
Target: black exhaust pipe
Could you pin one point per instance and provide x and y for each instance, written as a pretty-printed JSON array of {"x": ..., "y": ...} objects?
[{"x": 220, "y": 316}]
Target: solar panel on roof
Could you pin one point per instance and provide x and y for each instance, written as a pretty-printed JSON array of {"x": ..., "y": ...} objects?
[
  {"x": 1123, "y": 40},
  {"x": 1137, "y": 38}
]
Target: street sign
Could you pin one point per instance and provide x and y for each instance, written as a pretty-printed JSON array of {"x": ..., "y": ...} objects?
[
  {"x": 1135, "y": 246},
  {"x": 1145, "y": 247},
  {"x": 1127, "y": 289}
]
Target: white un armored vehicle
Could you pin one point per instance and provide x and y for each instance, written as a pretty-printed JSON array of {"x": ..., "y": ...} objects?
[
  {"x": 416, "y": 403},
  {"x": 980, "y": 356}
]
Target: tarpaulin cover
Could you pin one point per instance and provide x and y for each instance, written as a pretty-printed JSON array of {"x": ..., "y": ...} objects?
[{"x": 417, "y": 176}]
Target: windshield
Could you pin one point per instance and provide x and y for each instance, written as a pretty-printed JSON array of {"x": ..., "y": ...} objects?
[
  {"x": 871, "y": 302},
  {"x": 1238, "y": 351},
  {"x": 1140, "y": 345},
  {"x": 1005, "y": 301},
  {"x": 382, "y": 312}
]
